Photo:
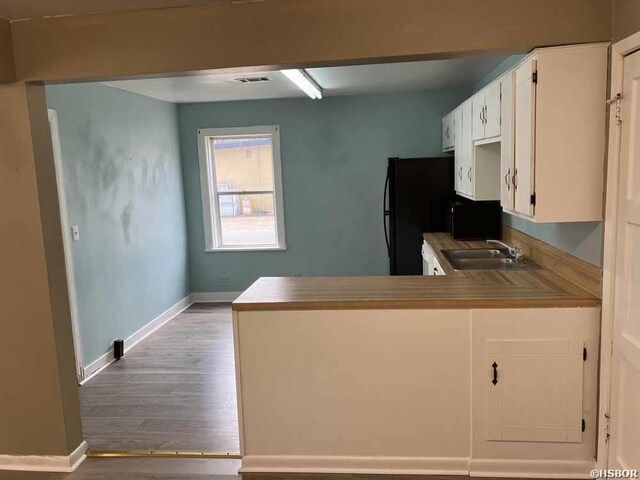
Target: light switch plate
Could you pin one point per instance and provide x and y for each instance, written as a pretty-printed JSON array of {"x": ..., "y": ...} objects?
[{"x": 75, "y": 233}]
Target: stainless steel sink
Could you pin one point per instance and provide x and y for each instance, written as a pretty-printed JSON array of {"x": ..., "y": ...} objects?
[
  {"x": 474, "y": 253},
  {"x": 485, "y": 259}
]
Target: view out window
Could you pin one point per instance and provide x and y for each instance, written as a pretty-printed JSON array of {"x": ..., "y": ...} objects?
[{"x": 241, "y": 188}]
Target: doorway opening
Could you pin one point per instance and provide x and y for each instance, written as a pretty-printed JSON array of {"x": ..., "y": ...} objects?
[{"x": 140, "y": 209}]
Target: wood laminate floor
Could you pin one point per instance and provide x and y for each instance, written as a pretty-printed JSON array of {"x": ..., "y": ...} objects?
[
  {"x": 192, "y": 469},
  {"x": 175, "y": 391}
]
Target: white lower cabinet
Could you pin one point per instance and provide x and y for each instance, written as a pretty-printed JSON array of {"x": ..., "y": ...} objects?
[
  {"x": 437, "y": 268},
  {"x": 398, "y": 391},
  {"x": 534, "y": 390}
]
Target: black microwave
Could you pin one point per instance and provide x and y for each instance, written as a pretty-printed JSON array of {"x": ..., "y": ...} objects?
[{"x": 469, "y": 220}]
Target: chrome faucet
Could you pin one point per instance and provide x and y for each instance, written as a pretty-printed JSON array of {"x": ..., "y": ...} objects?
[{"x": 513, "y": 251}]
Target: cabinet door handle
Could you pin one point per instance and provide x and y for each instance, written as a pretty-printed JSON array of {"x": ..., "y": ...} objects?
[
  {"x": 460, "y": 173},
  {"x": 446, "y": 133},
  {"x": 507, "y": 177},
  {"x": 495, "y": 373},
  {"x": 469, "y": 173},
  {"x": 484, "y": 114}
]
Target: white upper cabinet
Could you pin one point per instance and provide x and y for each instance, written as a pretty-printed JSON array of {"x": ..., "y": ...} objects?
[
  {"x": 537, "y": 136},
  {"x": 525, "y": 111},
  {"x": 476, "y": 166},
  {"x": 480, "y": 159},
  {"x": 466, "y": 152},
  {"x": 463, "y": 162},
  {"x": 506, "y": 146},
  {"x": 477, "y": 102},
  {"x": 492, "y": 110},
  {"x": 486, "y": 112},
  {"x": 559, "y": 141},
  {"x": 448, "y": 135},
  {"x": 457, "y": 123}
]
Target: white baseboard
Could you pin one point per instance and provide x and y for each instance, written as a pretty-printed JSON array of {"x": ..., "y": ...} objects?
[
  {"x": 531, "y": 468},
  {"x": 105, "y": 360},
  {"x": 340, "y": 464},
  {"x": 45, "y": 463},
  {"x": 214, "y": 297}
]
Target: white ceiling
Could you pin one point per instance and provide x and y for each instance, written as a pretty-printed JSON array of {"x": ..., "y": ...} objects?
[
  {"x": 214, "y": 87},
  {"x": 350, "y": 80}
]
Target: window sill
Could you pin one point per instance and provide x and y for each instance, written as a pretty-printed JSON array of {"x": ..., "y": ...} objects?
[{"x": 246, "y": 249}]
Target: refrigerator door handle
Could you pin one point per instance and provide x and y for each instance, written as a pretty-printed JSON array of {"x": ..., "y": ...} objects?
[{"x": 386, "y": 213}]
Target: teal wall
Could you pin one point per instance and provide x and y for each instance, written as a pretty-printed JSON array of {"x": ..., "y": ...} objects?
[
  {"x": 334, "y": 154},
  {"x": 122, "y": 171},
  {"x": 505, "y": 65},
  {"x": 584, "y": 239}
]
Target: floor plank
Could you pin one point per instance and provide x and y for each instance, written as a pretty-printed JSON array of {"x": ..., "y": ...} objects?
[
  {"x": 140, "y": 469},
  {"x": 174, "y": 391}
]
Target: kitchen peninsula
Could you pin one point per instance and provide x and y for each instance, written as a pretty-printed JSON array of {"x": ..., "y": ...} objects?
[{"x": 492, "y": 373}]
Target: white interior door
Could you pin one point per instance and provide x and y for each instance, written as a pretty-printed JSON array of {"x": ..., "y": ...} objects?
[
  {"x": 525, "y": 113},
  {"x": 624, "y": 451}
]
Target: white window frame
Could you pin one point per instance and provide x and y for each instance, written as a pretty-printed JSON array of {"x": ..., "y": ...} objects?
[{"x": 210, "y": 207}]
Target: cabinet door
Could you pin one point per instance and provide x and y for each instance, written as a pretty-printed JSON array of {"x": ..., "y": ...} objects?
[
  {"x": 535, "y": 390},
  {"x": 506, "y": 144},
  {"x": 437, "y": 268},
  {"x": 525, "y": 111},
  {"x": 457, "y": 136},
  {"x": 467, "y": 148},
  {"x": 447, "y": 132},
  {"x": 478, "y": 108},
  {"x": 492, "y": 112}
]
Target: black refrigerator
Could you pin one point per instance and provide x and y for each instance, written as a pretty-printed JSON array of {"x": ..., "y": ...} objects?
[{"x": 416, "y": 196}]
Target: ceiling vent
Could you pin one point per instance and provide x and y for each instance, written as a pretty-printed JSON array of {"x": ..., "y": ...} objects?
[{"x": 253, "y": 79}]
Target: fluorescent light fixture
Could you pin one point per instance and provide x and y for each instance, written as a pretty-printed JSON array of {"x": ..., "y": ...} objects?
[{"x": 304, "y": 83}]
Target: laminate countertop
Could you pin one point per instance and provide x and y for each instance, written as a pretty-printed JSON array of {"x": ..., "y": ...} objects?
[{"x": 540, "y": 288}]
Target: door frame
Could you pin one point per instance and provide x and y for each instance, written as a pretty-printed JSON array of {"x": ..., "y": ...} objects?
[
  {"x": 66, "y": 240},
  {"x": 619, "y": 51}
]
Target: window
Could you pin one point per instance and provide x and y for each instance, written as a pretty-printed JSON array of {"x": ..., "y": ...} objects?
[{"x": 241, "y": 188}]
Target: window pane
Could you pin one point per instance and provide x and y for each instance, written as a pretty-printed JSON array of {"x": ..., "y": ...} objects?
[
  {"x": 247, "y": 220},
  {"x": 243, "y": 163}
]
